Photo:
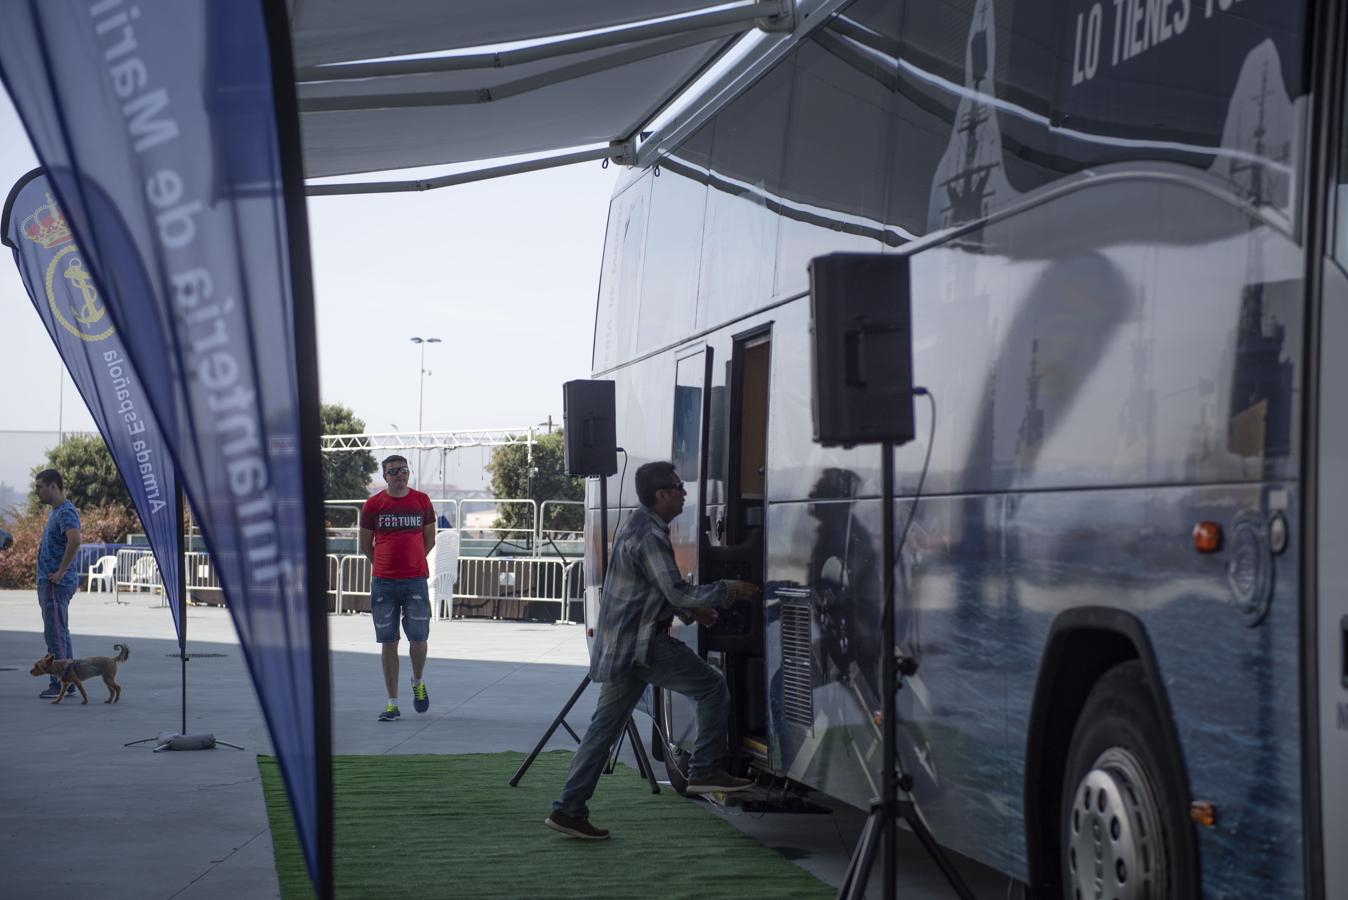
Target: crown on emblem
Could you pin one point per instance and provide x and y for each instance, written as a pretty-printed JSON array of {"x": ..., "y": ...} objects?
[{"x": 47, "y": 225}]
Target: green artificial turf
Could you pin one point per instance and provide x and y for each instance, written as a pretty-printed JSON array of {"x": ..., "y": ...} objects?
[{"x": 451, "y": 826}]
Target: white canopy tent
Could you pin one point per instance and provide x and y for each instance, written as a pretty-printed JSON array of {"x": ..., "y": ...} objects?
[{"x": 414, "y": 83}]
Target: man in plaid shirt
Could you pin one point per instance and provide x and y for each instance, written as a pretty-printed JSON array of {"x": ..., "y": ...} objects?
[{"x": 632, "y": 648}]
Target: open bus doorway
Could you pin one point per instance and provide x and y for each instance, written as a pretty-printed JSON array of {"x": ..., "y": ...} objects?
[
  {"x": 738, "y": 637},
  {"x": 732, "y": 546}
]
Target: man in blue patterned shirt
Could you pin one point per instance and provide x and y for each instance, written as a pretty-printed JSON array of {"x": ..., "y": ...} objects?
[
  {"x": 632, "y": 648},
  {"x": 56, "y": 574}
]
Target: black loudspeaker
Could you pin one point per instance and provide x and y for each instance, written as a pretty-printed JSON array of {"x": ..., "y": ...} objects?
[
  {"x": 588, "y": 423},
  {"x": 861, "y": 355}
]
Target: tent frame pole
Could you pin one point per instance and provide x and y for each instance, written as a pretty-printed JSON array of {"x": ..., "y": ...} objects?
[{"x": 499, "y": 59}]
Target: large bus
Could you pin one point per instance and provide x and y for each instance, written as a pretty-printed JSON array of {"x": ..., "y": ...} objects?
[{"x": 1128, "y": 238}]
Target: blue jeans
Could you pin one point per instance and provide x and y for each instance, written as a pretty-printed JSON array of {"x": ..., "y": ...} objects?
[
  {"x": 670, "y": 664},
  {"x": 389, "y": 597},
  {"x": 54, "y": 599}
]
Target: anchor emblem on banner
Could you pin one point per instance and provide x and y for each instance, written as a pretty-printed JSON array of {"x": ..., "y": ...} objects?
[
  {"x": 91, "y": 311},
  {"x": 47, "y": 226}
]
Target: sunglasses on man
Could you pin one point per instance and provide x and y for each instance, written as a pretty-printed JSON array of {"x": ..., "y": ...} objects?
[
  {"x": 676, "y": 486},
  {"x": 397, "y": 470}
]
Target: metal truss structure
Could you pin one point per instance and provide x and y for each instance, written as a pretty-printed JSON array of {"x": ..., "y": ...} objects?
[{"x": 431, "y": 440}]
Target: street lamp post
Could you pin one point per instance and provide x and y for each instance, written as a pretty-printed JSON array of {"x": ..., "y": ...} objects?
[
  {"x": 60, "y": 403},
  {"x": 421, "y": 394}
]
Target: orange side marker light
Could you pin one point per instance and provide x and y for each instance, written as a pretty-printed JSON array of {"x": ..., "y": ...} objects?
[
  {"x": 1207, "y": 537},
  {"x": 1203, "y": 813}
]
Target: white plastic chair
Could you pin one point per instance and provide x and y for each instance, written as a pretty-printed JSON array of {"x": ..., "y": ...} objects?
[
  {"x": 103, "y": 573},
  {"x": 443, "y": 563}
]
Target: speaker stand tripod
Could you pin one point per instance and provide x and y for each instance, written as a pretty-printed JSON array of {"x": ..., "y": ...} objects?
[
  {"x": 882, "y": 824},
  {"x": 630, "y": 729}
]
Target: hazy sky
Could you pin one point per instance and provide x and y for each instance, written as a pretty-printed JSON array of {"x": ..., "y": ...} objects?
[{"x": 505, "y": 272}]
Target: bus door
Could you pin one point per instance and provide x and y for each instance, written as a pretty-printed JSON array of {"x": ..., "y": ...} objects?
[
  {"x": 1331, "y": 600},
  {"x": 688, "y": 452},
  {"x": 734, "y": 545},
  {"x": 1326, "y": 610}
]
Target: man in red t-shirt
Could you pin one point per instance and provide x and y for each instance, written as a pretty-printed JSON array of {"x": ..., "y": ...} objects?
[{"x": 397, "y": 530}]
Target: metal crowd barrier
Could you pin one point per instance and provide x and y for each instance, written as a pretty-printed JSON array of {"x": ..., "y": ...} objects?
[
  {"x": 334, "y": 582},
  {"x": 488, "y": 587},
  {"x": 573, "y": 587},
  {"x": 201, "y": 578},
  {"x": 447, "y": 507},
  {"x": 559, "y": 534},
  {"x": 523, "y": 538},
  {"x": 503, "y": 587},
  {"x": 536, "y": 538},
  {"x": 353, "y": 581},
  {"x": 137, "y": 571}
]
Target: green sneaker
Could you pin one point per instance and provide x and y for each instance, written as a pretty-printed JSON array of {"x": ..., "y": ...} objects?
[
  {"x": 421, "y": 701},
  {"x": 390, "y": 713}
]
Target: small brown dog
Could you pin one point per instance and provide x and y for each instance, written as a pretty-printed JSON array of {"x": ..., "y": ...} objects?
[{"x": 75, "y": 671}]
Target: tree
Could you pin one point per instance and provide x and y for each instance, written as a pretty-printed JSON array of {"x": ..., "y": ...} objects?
[
  {"x": 93, "y": 484},
  {"x": 346, "y": 474},
  {"x": 510, "y": 478},
  {"x": 88, "y": 472}
]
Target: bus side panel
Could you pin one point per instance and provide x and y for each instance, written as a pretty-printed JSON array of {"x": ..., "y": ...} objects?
[
  {"x": 824, "y": 583},
  {"x": 1075, "y": 364},
  {"x": 950, "y": 614},
  {"x": 1225, "y": 646},
  {"x": 1161, "y": 345},
  {"x": 980, "y": 635}
]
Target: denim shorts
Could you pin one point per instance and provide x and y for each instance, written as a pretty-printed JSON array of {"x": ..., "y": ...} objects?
[{"x": 410, "y": 595}]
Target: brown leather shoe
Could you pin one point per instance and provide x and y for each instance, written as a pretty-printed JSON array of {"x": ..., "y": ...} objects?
[{"x": 575, "y": 827}]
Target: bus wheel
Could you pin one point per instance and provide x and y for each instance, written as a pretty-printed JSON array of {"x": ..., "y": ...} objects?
[{"x": 1123, "y": 831}]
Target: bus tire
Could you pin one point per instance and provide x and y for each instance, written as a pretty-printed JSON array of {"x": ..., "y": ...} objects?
[{"x": 1123, "y": 829}]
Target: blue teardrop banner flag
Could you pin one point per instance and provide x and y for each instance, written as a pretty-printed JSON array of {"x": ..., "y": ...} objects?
[
  {"x": 169, "y": 132},
  {"x": 62, "y": 287}
]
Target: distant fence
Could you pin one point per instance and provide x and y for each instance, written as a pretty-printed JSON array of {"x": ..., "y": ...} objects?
[
  {"x": 514, "y": 588},
  {"x": 508, "y": 588},
  {"x": 203, "y": 585},
  {"x": 88, "y": 555},
  {"x": 549, "y": 529},
  {"x": 353, "y": 584},
  {"x": 531, "y": 571},
  {"x": 137, "y": 571}
]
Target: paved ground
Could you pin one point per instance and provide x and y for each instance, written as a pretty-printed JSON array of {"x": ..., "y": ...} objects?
[{"x": 82, "y": 816}]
